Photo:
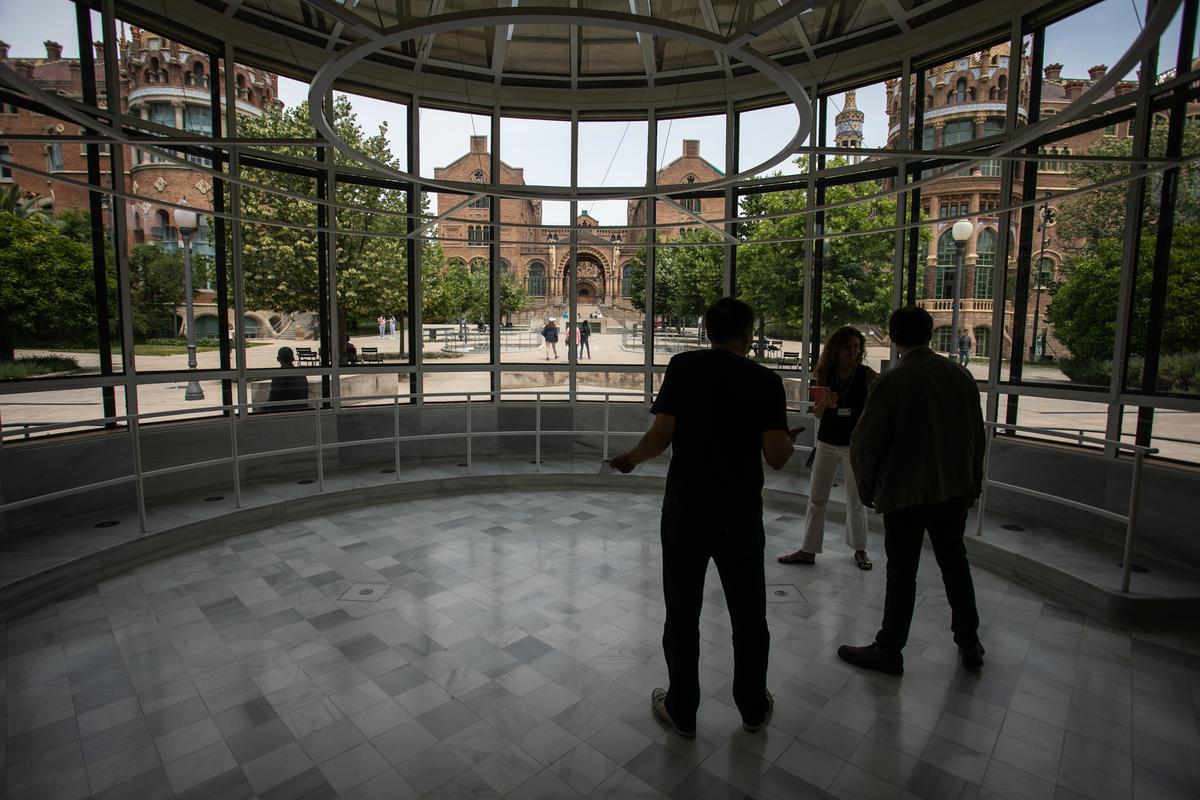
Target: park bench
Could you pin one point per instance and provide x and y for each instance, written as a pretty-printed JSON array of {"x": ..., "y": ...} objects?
[
  {"x": 307, "y": 357},
  {"x": 370, "y": 355}
]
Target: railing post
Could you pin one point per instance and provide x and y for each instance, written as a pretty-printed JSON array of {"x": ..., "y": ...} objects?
[
  {"x": 320, "y": 447},
  {"x": 987, "y": 457},
  {"x": 139, "y": 487},
  {"x": 396, "y": 432},
  {"x": 537, "y": 431},
  {"x": 606, "y": 398},
  {"x": 1134, "y": 489},
  {"x": 469, "y": 430},
  {"x": 233, "y": 452}
]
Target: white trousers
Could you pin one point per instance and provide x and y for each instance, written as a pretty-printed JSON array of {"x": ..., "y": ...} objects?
[{"x": 824, "y": 469}]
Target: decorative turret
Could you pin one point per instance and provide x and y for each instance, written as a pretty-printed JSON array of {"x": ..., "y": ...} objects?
[{"x": 850, "y": 126}]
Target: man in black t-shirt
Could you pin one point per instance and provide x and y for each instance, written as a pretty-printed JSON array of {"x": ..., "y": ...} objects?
[
  {"x": 288, "y": 387},
  {"x": 721, "y": 413}
]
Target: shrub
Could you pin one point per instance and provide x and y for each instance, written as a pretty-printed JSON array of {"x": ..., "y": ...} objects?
[
  {"x": 1177, "y": 372},
  {"x": 30, "y": 366}
]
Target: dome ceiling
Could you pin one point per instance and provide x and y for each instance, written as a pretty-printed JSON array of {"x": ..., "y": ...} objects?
[{"x": 681, "y": 57}]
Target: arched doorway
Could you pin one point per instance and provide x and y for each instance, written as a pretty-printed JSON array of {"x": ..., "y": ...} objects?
[{"x": 591, "y": 283}]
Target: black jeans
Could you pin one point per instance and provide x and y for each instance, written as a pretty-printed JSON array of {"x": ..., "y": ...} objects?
[
  {"x": 738, "y": 554},
  {"x": 904, "y": 531}
]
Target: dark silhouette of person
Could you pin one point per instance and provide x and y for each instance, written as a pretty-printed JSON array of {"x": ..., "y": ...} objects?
[
  {"x": 585, "y": 336},
  {"x": 917, "y": 454},
  {"x": 288, "y": 387},
  {"x": 721, "y": 413}
]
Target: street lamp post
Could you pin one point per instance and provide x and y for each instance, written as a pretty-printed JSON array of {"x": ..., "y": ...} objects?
[
  {"x": 961, "y": 233},
  {"x": 187, "y": 223},
  {"x": 1047, "y": 215}
]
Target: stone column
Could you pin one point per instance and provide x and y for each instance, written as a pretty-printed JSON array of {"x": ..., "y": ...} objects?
[{"x": 937, "y": 133}]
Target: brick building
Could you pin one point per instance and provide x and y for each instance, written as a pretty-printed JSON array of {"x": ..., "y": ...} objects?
[
  {"x": 967, "y": 99},
  {"x": 538, "y": 256},
  {"x": 162, "y": 82}
]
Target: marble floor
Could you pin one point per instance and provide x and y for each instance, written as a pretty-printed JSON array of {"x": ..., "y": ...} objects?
[{"x": 505, "y": 645}]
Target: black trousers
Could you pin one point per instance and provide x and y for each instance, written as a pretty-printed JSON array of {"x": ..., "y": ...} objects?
[
  {"x": 904, "y": 532},
  {"x": 737, "y": 551}
]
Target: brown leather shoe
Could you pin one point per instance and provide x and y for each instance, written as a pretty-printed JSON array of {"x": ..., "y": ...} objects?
[{"x": 872, "y": 657}]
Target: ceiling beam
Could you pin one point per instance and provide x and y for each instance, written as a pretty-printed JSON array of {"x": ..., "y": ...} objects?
[
  {"x": 431, "y": 223},
  {"x": 426, "y": 43},
  {"x": 642, "y": 8},
  {"x": 346, "y": 19},
  {"x": 898, "y": 13},
  {"x": 788, "y": 9},
  {"x": 232, "y": 6},
  {"x": 710, "y": 21}
]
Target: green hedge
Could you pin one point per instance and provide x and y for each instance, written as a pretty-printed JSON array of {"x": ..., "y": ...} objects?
[
  {"x": 29, "y": 366},
  {"x": 1177, "y": 372}
]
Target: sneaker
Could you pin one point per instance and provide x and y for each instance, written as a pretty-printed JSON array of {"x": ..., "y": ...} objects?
[
  {"x": 972, "y": 656},
  {"x": 872, "y": 657},
  {"x": 762, "y": 723},
  {"x": 658, "y": 702}
]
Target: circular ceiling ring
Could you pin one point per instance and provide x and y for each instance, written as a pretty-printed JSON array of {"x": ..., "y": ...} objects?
[{"x": 332, "y": 70}]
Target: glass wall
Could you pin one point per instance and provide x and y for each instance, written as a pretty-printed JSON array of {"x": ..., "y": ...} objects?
[{"x": 1040, "y": 287}]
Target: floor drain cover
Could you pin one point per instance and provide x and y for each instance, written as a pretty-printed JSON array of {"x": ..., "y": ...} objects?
[
  {"x": 108, "y": 523},
  {"x": 365, "y": 592},
  {"x": 1134, "y": 568},
  {"x": 387, "y": 471},
  {"x": 784, "y": 593},
  {"x": 214, "y": 499},
  {"x": 1011, "y": 527},
  {"x": 304, "y": 482}
]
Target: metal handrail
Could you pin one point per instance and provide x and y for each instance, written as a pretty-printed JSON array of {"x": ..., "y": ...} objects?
[
  {"x": 235, "y": 412},
  {"x": 1129, "y": 518}
]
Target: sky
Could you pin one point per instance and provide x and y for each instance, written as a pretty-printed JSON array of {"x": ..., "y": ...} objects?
[{"x": 613, "y": 154}]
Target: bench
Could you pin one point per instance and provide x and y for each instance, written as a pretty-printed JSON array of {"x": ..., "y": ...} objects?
[
  {"x": 307, "y": 357},
  {"x": 370, "y": 355}
]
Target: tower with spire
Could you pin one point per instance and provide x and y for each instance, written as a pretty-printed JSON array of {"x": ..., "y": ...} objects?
[{"x": 850, "y": 126}]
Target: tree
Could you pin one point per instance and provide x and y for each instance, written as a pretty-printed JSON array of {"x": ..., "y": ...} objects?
[
  {"x": 46, "y": 285},
  {"x": 156, "y": 283},
  {"x": 281, "y": 264},
  {"x": 1091, "y": 232},
  {"x": 687, "y": 279},
  {"x": 456, "y": 293},
  {"x": 13, "y": 201},
  {"x": 857, "y": 270}
]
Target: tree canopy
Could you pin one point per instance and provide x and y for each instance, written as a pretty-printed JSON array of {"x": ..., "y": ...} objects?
[
  {"x": 281, "y": 264},
  {"x": 1091, "y": 230},
  {"x": 47, "y": 292}
]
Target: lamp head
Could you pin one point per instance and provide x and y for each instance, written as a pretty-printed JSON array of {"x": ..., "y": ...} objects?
[
  {"x": 962, "y": 230},
  {"x": 185, "y": 219}
]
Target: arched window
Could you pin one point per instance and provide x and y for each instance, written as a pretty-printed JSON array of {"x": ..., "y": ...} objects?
[
  {"x": 483, "y": 202},
  {"x": 985, "y": 264},
  {"x": 943, "y": 285},
  {"x": 535, "y": 279},
  {"x": 1003, "y": 83},
  {"x": 971, "y": 94},
  {"x": 960, "y": 90},
  {"x": 627, "y": 280},
  {"x": 5, "y": 160},
  {"x": 479, "y": 265},
  {"x": 241, "y": 86},
  {"x": 928, "y": 101},
  {"x": 161, "y": 232},
  {"x": 198, "y": 73},
  {"x": 983, "y": 341},
  {"x": 504, "y": 267},
  {"x": 692, "y": 204},
  {"x": 1045, "y": 275},
  {"x": 456, "y": 262},
  {"x": 943, "y": 340}
]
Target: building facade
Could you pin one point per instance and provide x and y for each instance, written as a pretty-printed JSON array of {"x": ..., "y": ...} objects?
[
  {"x": 539, "y": 255},
  {"x": 161, "y": 82},
  {"x": 967, "y": 99}
]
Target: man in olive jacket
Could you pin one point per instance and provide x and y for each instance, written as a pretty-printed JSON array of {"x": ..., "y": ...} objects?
[{"x": 917, "y": 454}]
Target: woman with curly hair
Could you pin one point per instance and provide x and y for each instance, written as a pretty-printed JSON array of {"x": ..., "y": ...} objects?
[{"x": 845, "y": 378}]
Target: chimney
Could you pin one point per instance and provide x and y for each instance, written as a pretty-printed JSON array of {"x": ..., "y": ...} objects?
[
  {"x": 479, "y": 144},
  {"x": 1073, "y": 89},
  {"x": 1097, "y": 72},
  {"x": 3, "y": 49},
  {"x": 53, "y": 50},
  {"x": 691, "y": 147},
  {"x": 1053, "y": 72}
]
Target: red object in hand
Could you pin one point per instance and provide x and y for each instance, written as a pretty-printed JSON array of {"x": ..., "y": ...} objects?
[{"x": 815, "y": 393}]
